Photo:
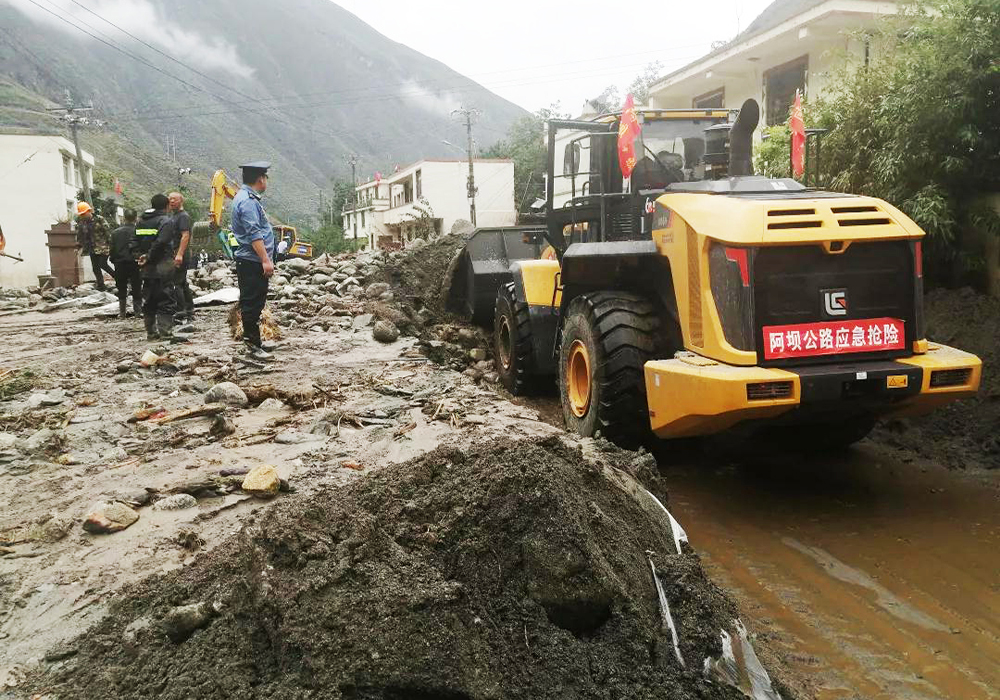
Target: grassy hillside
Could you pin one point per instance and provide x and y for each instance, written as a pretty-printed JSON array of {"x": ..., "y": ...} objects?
[{"x": 309, "y": 84}]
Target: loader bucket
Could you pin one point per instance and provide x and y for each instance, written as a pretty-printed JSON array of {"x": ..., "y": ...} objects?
[{"x": 479, "y": 269}]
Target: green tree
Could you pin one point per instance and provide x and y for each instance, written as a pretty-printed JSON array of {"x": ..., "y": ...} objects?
[
  {"x": 920, "y": 127},
  {"x": 525, "y": 145}
]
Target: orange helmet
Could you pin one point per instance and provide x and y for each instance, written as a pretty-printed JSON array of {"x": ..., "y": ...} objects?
[{"x": 82, "y": 208}]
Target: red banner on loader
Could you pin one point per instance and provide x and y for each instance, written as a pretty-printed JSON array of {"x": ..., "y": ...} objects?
[{"x": 833, "y": 338}]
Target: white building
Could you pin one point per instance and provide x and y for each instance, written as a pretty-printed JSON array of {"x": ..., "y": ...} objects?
[
  {"x": 792, "y": 44},
  {"x": 430, "y": 195},
  {"x": 38, "y": 181}
]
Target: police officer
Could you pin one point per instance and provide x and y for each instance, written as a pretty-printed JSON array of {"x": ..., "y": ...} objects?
[
  {"x": 255, "y": 253},
  {"x": 158, "y": 293}
]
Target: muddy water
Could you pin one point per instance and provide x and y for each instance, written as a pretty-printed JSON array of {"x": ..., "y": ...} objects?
[{"x": 870, "y": 578}]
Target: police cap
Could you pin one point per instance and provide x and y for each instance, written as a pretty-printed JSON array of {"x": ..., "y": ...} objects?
[{"x": 255, "y": 169}]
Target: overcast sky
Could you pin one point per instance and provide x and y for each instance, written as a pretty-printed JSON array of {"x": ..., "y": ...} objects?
[{"x": 535, "y": 52}]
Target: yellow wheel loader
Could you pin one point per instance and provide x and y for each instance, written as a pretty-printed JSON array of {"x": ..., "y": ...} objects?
[{"x": 697, "y": 297}]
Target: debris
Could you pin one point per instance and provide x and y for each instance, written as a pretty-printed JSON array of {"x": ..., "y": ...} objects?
[
  {"x": 150, "y": 359},
  {"x": 385, "y": 332},
  {"x": 348, "y": 464},
  {"x": 147, "y": 413},
  {"x": 105, "y": 518},
  {"x": 269, "y": 329},
  {"x": 179, "y": 501},
  {"x": 263, "y": 481},
  {"x": 209, "y": 409},
  {"x": 226, "y": 393}
]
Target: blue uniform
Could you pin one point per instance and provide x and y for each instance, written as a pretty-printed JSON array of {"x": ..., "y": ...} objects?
[{"x": 250, "y": 224}]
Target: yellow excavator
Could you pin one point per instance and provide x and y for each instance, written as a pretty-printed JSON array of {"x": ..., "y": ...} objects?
[
  {"x": 696, "y": 297},
  {"x": 206, "y": 233}
]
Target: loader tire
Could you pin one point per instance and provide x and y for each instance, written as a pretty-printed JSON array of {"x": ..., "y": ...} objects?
[
  {"x": 513, "y": 351},
  {"x": 606, "y": 339}
]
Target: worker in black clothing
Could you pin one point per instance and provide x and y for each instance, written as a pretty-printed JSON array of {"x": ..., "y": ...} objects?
[
  {"x": 126, "y": 268},
  {"x": 182, "y": 258},
  {"x": 153, "y": 247}
]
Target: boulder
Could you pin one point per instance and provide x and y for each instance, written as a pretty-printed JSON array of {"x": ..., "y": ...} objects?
[
  {"x": 295, "y": 265},
  {"x": 227, "y": 393},
  {"x": 177, "y": 502},
  {"x": 385, "y": 332},
  {"x": 105, "y": 518},
  {"x": 321, "y": 279},
  {"x": 272, "y": 405},
  {"x": 262, "y": 481},
  {"x": 363, "y": 320},
  {"x": 477, "y": 354}
]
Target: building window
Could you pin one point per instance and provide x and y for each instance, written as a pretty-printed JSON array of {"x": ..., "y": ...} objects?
[
  {"x": 780, "y": 84},
  {"x": 716, "y": 99},
  {"x": 67, "y": 171},
  {"x": 420, "y": 186},
  {"x": 76, "y": 178},
  {"x": 407, "y": 191}
]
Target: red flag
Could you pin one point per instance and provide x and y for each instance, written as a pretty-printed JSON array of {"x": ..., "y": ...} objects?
[
  {"x": 798, "y": 128},
  {"x": 378, "y": 177},
  {"x": 119, "y": 189},
  {"x": 628, "y": 132}
]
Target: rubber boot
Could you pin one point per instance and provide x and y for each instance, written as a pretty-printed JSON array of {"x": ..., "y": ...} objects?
[
  {"x": 165, "y": 325},
  {"x": 150, "y": 323},
  {"x": 122, "y": 309}
]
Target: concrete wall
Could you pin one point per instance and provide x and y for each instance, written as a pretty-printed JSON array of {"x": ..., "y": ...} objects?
[{"x": 33, "y": 196}]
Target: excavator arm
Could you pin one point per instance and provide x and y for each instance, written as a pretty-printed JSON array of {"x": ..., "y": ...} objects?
[{"x": 222, "y": 189}]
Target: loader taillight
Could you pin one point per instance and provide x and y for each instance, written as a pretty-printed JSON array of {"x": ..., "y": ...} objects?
[
  {"x": 739, "y": 256},
  {"x": 950, "y": 377}
]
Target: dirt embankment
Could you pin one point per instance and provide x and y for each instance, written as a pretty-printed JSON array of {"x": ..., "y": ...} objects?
[
  {"x": 516, "y": 570},
  {"x": 963, "y": 433}
]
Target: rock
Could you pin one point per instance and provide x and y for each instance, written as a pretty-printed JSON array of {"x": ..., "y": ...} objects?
[
  {"x": 295, "y": 265},
  {"x": 124, "y": 367},
  {"x": 272, "y": 405},
  {"x": 321, "y": 279},
  {"x": 61, "y": 652},
  {"x": 385, "y": 332},
  {"x": 363, "y": 321},
  {"x": 416, "y": 244},
  {"x": 262, "y": 481},
  {"x": 491, "y": 377},
  {"x": 374, "y": 291},
  {"x": 178, "y": 502},
  {"x": 131, "y": 497},
  {"x": 220, "y": 274},
  {"x": 7, "y": 440},
  {"x": 477, "y": 354},
  {"x": 222, "y": 426},
  {"x": 227, "y": 393},
  {"x": 279, "y": 281},
  {"x": 468, "y": 337},
  {"x": 348, "y": 270},
  {"x": 181, "y": 622},
  {"x": 105, "y": 518},
  {"x": 473, "y": 374},
  {"x": 292, "y": 437},
  {"x": 37, "y": 441},
  {"x": 47, "y": 398}
]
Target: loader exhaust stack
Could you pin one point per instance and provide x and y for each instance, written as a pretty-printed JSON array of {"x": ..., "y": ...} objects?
[{"x": 741, "y": 139}]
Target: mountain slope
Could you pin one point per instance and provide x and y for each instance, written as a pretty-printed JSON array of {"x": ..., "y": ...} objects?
[{"x": 302, "y": 83}]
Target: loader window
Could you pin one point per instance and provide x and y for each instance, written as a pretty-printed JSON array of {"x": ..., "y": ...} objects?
[
  {"x": 679, "y": 144},
  {"x": 571, "y": 158}
]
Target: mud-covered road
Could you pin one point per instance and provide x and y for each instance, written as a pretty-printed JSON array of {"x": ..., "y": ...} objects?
[{"x": 871, "y": 578}]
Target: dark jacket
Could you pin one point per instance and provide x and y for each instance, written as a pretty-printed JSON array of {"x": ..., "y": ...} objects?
[
  {"x": 146, "y": 230},
  {"x": 160, "y": 258},
  {"x": 121, "y": 243}
]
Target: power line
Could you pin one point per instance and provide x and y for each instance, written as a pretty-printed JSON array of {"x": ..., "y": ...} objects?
[{"x": 149, "y": 64}]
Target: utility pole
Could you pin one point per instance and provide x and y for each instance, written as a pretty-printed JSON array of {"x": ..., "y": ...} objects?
[
  {"x": 353, "y": 160},
  {"x": 469, "y": 115},
  {"x": 74, "y": 121}
]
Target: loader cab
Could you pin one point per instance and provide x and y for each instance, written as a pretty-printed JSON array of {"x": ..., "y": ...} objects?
[{"x": 588, "y": 199}]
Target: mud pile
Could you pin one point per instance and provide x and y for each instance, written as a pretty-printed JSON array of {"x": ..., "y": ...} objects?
[
  {"x": 418, "y": 274},
  {"x": 516, "y": 570},
  {"x": 964, "y": 433}
]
